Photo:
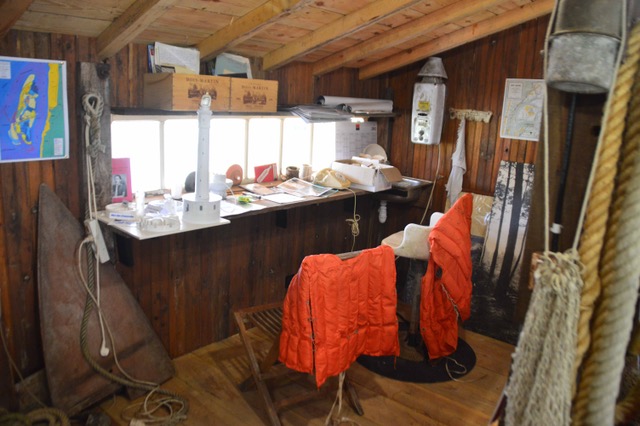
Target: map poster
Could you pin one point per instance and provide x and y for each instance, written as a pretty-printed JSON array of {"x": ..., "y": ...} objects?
[
  {"x": 33, "y": 110},
  {"x": 522, "y": 109}
]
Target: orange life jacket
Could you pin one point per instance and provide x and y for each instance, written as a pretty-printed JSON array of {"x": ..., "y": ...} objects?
[
  {"x": 446, "y": 286},
  {"x": 336, "y": 310}
]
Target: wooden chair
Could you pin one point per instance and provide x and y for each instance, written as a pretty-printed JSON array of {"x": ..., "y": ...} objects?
[{"x": 268, "y": 319}]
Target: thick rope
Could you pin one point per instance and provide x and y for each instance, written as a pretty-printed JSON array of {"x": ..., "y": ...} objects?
[
  {"x": 620, "y": 274},
  {"x": 599, "y": 200},
  {"x": 50, "y": 416},
  {"x": 628, "y": 408}
]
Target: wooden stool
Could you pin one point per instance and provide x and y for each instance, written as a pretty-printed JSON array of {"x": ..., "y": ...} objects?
[{"x": 268, "y": 319}]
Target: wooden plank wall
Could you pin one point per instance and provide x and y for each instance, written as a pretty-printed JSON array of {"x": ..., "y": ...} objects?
[
  {"x": 19, "y": 205},
  {"x": 476, "y": 78},
  {"x": 178, "y": 280}
]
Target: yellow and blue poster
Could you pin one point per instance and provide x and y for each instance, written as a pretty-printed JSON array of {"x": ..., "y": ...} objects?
[{"x": 33, "y": 110}]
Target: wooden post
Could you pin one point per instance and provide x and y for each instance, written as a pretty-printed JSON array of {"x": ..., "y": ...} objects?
[{"x": 94, "y": 78}]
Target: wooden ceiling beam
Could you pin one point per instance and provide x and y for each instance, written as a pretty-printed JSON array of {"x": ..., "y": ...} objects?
[
  {"x": 10, "y": 12},
  {"x": 423, "y": 25},
  {"x": 336, "y": 30},
  {"x": 127, "y": 26},
  {"x": 474, "y": 32},
  {"x": 247, "y": 26}
]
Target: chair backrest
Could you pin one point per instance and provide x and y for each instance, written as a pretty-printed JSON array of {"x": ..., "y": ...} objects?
[
  {"x": 415, "y": 239},
  {"x": 415, "y": 242},
  {"x": 435, "y": 217}
]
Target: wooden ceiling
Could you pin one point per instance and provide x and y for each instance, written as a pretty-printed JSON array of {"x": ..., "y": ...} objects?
[{"x": 375, "y": 36}]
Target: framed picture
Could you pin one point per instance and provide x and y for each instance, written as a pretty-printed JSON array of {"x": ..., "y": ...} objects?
[
  {"x": 121, "y": 180},
  {"x": 522, "y": 109},
  {"x": 34, "y": 122}
]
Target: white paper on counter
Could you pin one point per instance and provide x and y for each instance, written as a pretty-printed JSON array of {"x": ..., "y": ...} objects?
[
  {"x": 231, "y": 208},
  {"x": 283, "y": 198}
]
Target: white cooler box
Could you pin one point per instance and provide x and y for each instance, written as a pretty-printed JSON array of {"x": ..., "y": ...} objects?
[{"x": 377, "y": 177}]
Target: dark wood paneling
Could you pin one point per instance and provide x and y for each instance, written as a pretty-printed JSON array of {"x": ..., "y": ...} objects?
[
  {"x": 188, "y": 284},
  {"x": 476, "y": 79},
  {"x": 19, "y": 207}
]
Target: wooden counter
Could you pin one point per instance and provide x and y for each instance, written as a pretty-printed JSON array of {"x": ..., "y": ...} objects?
[{"x": 189, "y": 283}]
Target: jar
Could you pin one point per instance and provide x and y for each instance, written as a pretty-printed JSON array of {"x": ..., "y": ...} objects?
[{"x": 292, "y": 172}]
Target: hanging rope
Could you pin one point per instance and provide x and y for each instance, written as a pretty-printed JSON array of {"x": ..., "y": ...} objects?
[
  {"x": 601, "y": 194},
  {"x": 620, "y": 274},
  {"x": 540, "y": 386},
  {"x": 175, "y": 407}
]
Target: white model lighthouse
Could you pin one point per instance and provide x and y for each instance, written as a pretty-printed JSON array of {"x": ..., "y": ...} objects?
[{"x": 202, "y": 207}]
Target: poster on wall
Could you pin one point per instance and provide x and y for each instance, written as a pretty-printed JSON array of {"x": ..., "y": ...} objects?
[
  {"x": 498, "y": 257},
  {"x": 522, "y": 109},
  {"x": 34, "y": 123},
  {"x": 121, "y": 180}
]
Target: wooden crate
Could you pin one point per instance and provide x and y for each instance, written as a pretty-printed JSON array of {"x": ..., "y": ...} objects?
[
  {"x": 251, "y": 95},
  {"x": 182, "y": 92}
]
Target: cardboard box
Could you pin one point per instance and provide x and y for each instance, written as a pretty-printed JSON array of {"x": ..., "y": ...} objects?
[
  {"x": 251, "y": 95},
  {"x": 372, "y": 179},
  {"x": 182, "y": 92}
]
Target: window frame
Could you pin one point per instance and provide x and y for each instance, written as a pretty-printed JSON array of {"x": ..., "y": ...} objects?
[{"x": 162, "y": 118}]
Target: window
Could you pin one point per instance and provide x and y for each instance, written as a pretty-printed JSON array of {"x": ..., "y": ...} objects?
[
  {"x": 139, "y": 140},
  {"x": 163, "y": 149}
]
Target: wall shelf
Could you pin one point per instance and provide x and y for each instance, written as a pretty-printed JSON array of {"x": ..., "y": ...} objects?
[
  {"x": 282, "y": 112},
  {"x": 194, "y": 113}
]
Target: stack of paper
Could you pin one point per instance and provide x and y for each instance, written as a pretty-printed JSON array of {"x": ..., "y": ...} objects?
[
  {"x": 319, "y": 113},
  {"x": 166, "y": 58}
]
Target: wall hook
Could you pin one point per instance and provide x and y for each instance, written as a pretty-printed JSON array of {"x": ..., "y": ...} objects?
[{"x": 470, "y": 114}]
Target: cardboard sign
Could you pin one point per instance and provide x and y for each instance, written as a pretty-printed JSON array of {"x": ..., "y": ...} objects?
[{"x": 266, "y": 173}]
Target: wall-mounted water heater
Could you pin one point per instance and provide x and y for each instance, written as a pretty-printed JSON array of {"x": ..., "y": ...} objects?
[{"x": 427, "y": 110}]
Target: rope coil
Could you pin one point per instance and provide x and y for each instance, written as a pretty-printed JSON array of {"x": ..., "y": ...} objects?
[{"x": 93, "y": 105}]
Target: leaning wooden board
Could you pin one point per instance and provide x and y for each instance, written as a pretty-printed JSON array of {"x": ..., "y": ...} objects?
[{"x": 73, "y": 383}]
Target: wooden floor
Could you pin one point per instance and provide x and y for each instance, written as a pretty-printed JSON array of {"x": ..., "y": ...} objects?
[{"x": 208, "y": 378}]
